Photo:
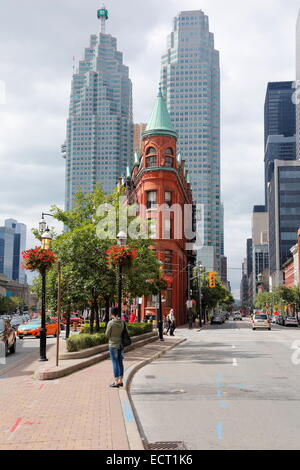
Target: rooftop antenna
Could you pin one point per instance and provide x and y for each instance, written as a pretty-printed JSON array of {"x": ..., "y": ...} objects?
[{"x": 102, "y": 14}]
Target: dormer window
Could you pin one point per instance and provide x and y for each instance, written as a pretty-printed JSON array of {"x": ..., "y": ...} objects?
[{"x": 151, "y": 157}]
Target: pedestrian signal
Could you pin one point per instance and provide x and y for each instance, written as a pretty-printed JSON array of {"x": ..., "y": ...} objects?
[{"x": 212, "y": 280}]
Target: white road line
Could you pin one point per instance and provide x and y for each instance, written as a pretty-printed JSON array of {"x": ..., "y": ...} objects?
[{"x": 234, "y": 362}]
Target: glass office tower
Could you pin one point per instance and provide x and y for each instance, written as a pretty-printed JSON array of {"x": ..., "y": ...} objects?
[
  {"x": 190, "y": 79},
  {"x": 99, "y": 142},
  {"x": 280, "y": 127},
  {"x": 284, "y": 215}
]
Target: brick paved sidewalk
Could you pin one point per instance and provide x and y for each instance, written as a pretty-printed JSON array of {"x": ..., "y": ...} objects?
[{"x": 79, "y": 411}]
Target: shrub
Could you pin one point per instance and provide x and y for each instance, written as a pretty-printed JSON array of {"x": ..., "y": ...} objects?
[{"x": 86, "y": 340}]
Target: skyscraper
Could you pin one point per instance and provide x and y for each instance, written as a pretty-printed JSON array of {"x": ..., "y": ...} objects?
[
  {"x": 284, "y": 215},
  {"x": 190, "y": 78},
  {"x": 298, "y": 87},
  {"x": 99, "y": 142},
  {"x": 12, "y": 243},
  {"x": 280, "y": 127}
]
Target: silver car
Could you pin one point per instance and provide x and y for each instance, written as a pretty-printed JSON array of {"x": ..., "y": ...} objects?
[{"x": 291, "y": 321}]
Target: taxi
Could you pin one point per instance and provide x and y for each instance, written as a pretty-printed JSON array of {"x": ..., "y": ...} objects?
[{"x": 33, "y": 327}]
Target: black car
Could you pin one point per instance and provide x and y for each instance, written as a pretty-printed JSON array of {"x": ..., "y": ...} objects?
[{"x": 7, "y": 336}]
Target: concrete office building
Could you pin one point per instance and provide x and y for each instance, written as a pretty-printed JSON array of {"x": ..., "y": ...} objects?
[
  {"x": 190, "y": 78},
  {"x": 138, "y": 130},
  {"x": 297, "y": 94},
  {"x": 284, "y": 215},
  {"x": 99, "y": 142},
  {"x": 280, "y": 127},
  {"x": 260, "y": 247}
]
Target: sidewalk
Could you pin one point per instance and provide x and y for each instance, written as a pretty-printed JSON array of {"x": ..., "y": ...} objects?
[{"x": 79, "y": 411}]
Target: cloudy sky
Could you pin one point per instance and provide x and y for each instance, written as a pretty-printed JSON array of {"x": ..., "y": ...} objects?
[{"x": 38, "y": 39}]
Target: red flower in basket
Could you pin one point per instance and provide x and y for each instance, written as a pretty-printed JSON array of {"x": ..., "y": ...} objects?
[
  {"x": 117, "y": 254},
  {"x": 37, "y": 259}
]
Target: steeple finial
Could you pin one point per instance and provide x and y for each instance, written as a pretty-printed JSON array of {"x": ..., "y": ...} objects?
[{"x": 102, "y": 14}]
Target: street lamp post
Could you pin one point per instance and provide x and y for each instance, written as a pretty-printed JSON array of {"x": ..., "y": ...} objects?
[
  {"x": 160, "y": 319},
  {"x": 122, "y": 242},
  {"x": 46, "y": 243}
]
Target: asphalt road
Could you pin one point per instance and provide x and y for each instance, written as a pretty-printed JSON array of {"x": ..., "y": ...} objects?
[{"x": 226, "y": 387}]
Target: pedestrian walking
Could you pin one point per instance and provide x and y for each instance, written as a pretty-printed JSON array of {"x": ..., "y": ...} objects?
[
  {"x": 172, "y": 322},
  {"x": 132, "y": 317},
  {"x": 114, "y": 333}
]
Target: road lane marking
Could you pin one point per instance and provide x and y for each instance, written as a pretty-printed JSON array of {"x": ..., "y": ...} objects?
[
  {"x": 17, "y": 423},
  {"x": 219, "y": 429},
  {"x": 234, "y": 362}
]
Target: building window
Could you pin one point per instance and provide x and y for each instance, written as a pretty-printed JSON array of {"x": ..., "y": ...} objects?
[
  {"x": 168, "y": 198},
  {"x": 169, "y": 151},
  {"x": 150, "y": 161},
  {"x": 169, "y": 162},
  {"x": 168, "y": 263},
  {"x": 151, "y": 151},
  {"x": 169, "y": 302},
  {"x": 152, "y": 229},
  {"x": 168, "y": 232},
  {"x": 151, "y": 199}
]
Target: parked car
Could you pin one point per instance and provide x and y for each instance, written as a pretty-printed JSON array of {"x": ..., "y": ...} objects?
[
  {"x": 291, "y": 321},
  {"x": 16, "y": 321},
  {"x": 33, "y": 327},
  {"x": 237, "y": 316},
  {"x": 7, "y": 336},
  {"x": 273, "y": 318},
  {"x": 280, "y": 320},
  {"x": 217, "y": 319},
  {"x": 261, "y": 320}
]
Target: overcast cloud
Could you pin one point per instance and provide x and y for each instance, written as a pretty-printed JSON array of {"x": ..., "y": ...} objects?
[{"x": 38, "y": 39}]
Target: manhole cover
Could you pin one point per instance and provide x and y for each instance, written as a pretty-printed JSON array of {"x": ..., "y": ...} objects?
[{"x": 168, "y": 445}]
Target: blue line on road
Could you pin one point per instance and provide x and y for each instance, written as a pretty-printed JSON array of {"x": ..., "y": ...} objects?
[
  {"x": 127, "y": 412},
  {"x": 219, "y": 429},
  {"x": 223, "y": 404}
]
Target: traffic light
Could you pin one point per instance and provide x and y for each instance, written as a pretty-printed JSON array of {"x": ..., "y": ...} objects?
[{"x": 212, "y": 280}]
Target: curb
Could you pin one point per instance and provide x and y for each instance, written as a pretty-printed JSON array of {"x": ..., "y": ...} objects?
[
  {"x": 132, "y": 430},
  {"x": 54, "y": 372}
]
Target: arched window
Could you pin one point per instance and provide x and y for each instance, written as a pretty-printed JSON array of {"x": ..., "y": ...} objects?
[
  {"x": 151, "y": 151},
  {"x": 169, "y": 151}
]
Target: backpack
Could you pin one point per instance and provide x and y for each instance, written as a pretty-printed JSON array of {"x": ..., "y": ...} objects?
[{"x": 125, "y": 338}]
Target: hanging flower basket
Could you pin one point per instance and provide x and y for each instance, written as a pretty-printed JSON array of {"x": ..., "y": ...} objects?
[
  {"x": 117, "y": 254},
  {"x": 38, "y": 259}
]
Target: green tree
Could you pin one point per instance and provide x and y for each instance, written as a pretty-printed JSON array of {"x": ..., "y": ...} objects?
[{"x": 88, "y": 281}]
